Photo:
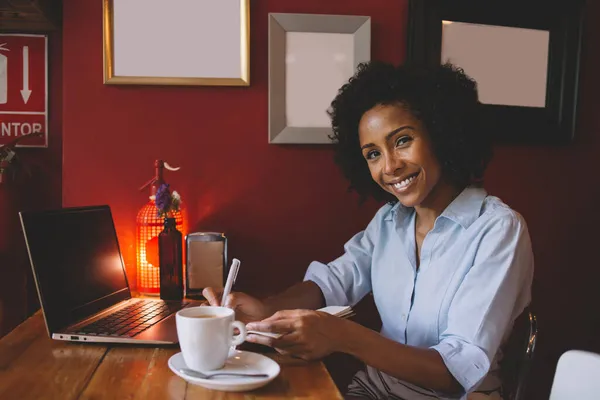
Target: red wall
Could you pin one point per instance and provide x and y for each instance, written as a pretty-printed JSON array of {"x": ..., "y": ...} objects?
[
  {"x": 41, "y": 189},
  {"x": 283, "y": 206}
]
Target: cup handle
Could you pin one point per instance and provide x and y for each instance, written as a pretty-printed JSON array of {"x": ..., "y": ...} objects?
[{"x": 238, "y": 339}]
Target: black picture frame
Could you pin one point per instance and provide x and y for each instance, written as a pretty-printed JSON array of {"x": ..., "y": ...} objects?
[{"x": 553, "y": 124}]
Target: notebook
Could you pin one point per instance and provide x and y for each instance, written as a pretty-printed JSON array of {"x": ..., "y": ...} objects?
[
  {"x": 338, "y": 311},
  {"x": 81, "y": 282}
]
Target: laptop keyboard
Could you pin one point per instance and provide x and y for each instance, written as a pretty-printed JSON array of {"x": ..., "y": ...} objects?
[{"x": 131, "y": 320}]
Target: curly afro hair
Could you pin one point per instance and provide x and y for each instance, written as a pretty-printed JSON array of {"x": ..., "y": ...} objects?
[{"x": 442, "y": 97}]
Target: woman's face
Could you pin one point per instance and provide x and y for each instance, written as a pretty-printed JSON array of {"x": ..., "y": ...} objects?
[{"x": 399, "y": 154}]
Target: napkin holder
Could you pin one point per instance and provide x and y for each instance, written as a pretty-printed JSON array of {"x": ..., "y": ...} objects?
[{"x": 206, "y": 261}]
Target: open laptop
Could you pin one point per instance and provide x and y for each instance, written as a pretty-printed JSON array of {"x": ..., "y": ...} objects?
[{"x": 81, "y": 282}]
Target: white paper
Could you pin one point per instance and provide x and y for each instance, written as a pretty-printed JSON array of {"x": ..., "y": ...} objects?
[{"x": 333, "y": 310}]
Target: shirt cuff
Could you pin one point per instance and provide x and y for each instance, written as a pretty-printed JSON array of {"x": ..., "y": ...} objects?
[
  {"x": 466, "y": 362},
  {"x": 332, "y": 289}
]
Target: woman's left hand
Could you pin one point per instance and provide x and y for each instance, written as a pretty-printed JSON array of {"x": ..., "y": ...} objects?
[{"x": 306, "y": 334}]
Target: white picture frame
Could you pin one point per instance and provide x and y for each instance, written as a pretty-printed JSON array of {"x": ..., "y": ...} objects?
[
  {"x": 184, "y": 42},
  {"x": 310, "y": 57}
]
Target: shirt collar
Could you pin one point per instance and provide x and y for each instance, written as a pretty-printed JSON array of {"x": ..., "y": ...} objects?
[
  {"x": 398, "y": 207},
  {"x": 466, "y": 207},
  {"x": 463, "y": 210}
]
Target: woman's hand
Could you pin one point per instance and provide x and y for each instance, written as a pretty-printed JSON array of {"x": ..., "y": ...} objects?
[
  {"x": 306, "y": 334},
  {"x": 247, "y": 308}
]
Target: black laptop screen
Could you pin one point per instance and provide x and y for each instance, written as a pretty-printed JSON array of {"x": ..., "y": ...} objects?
[{"x": 76, "y": 261}]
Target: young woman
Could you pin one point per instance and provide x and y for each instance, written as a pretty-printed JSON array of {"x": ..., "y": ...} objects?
[{"x": 450, "y": 267}]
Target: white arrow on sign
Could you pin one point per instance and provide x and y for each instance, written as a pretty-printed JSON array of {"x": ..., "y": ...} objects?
[{"x": 25, "y": 93}]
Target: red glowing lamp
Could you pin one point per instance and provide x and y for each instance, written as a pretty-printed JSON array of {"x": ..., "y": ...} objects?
[{"x": 148, "y": 225}]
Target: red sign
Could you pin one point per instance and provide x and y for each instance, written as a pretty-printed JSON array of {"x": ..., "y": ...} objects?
[{"x": 24, "y": 88}]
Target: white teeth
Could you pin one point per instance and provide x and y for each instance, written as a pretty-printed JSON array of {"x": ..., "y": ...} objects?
[{"x": 404, "y": 183}]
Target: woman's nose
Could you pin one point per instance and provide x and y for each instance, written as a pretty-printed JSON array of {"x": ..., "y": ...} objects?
[{"x": 392, "y": 164}]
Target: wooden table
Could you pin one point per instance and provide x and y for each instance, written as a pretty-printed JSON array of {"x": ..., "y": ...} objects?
[{"x": 33, "y": 366}]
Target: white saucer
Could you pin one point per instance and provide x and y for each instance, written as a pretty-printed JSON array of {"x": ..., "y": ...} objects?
[{"x": 239, "y": 361}]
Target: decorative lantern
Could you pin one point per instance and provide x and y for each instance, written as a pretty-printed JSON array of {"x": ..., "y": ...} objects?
[{"x": 148, "y": 226}]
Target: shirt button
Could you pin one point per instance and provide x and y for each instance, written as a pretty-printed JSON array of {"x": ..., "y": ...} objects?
[{"x": 404, "y": 316}]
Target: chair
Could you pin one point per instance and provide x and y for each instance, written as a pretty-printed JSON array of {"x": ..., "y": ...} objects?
[
  {"x": 577, "y": 376},
  {"x": 518, "y": 356}
]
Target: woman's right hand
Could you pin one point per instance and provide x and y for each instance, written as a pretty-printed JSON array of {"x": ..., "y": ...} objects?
[{"x": 247, "y": 308}]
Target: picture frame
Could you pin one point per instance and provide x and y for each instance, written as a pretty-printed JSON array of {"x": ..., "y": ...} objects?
[
  {"x": 310, "y": 57},
  {"x": 144, "y": 45},
  {"x": 549, "y": 90}
]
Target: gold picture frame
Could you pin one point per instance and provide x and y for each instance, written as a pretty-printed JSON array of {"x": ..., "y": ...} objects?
[{"x": 196, "y": 44}]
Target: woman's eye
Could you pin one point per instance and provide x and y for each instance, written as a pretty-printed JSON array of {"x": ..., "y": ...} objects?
[
  {"x": 402, "y": 140},
  {"x": 372, "y": 154}
]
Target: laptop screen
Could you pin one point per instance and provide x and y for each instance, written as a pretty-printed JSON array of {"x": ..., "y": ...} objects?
[{"x": 76, "y": 262}]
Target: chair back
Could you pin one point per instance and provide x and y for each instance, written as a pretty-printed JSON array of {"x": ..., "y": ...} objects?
[
  {"x": 518, "y": 355},
  {"x": 577, "y": 376}
]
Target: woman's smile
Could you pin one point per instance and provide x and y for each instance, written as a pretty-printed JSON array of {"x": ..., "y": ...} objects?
[{"x": 402, "y": 185}]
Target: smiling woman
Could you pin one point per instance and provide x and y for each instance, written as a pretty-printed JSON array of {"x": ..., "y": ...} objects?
[{"x": 449, "y": 266}]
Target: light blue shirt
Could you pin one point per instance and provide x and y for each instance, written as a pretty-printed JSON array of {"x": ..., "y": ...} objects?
[{"x": 474, "y": 278}]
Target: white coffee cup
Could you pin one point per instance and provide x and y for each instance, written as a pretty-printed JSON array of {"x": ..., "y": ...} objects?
[{"x": 206, "y": 335}]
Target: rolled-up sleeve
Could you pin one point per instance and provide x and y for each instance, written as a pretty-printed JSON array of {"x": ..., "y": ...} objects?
[
  {"x": 346, "y": 280},
  {"x": 493, "y": 293}
]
